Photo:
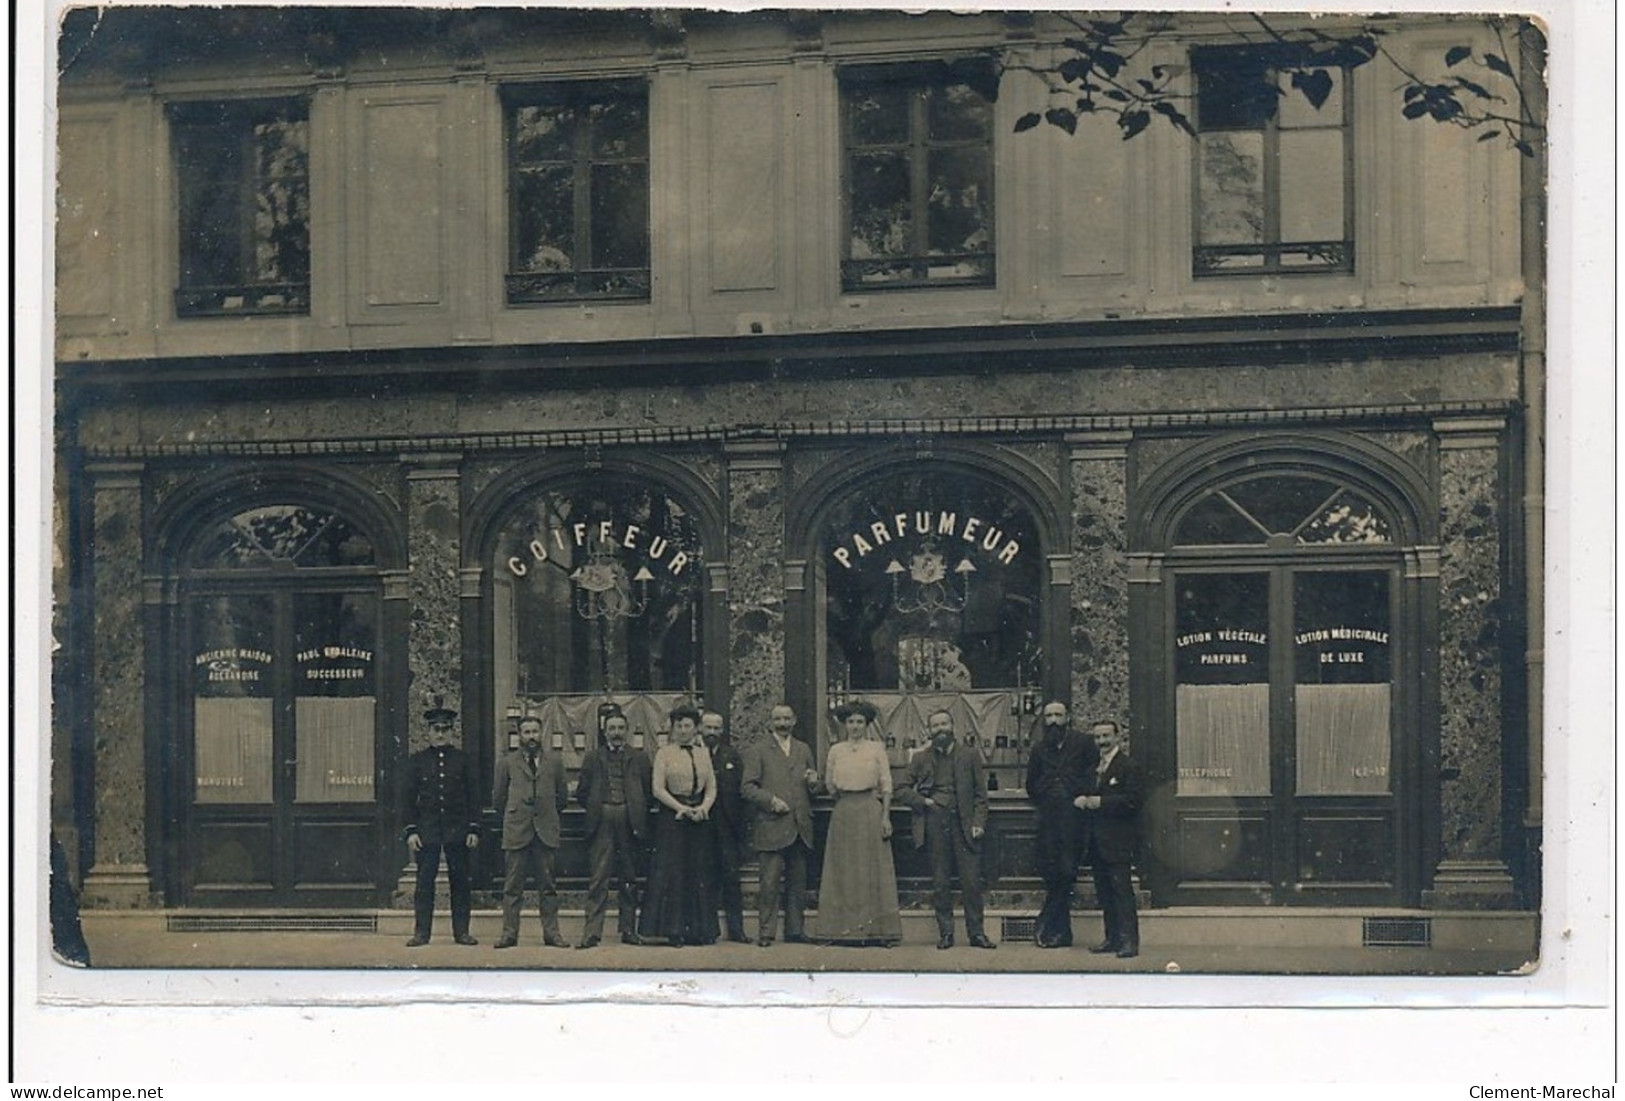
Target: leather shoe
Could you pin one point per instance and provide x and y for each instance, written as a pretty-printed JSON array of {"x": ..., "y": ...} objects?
[
  {"x": 738, "y": 937},
  {"x": 1104, "y": 948},
  {"x": 555, "y": 942},
  {"x": 464, "y": 938},
  {"x": 1053, "y": 942},
  {"x": 980, "y": 941},
  {"x": 417, "y": 941},
  {"x": 631, "y": 938},
  {"x": 945, "y": 941},
  {"x": 1128, "y": 952},
  {"x": 795, "y": 938},
  {"x": 764, "y": 942},
  {"x": 588, "y": 942},
  {"x": 506, "y": 942}
]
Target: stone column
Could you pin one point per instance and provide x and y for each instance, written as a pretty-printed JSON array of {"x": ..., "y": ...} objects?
[
  {"x": 1099, "y": 591},
  {"x": 755, "y": 584},
  {"x": 434, "y": 641},
  {"x": 119, "y": 875},
  {"x": 1472, "y": 870}
]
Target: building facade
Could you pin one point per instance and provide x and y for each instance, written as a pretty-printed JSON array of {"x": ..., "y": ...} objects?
[{"x": 533, "y": 359}]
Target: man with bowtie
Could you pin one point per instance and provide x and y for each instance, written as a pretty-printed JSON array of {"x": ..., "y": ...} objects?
[
  {"x": 530, "y": 792},
  {"x": 1113, "y": 812},
  {"x": 440, "y": 805}
]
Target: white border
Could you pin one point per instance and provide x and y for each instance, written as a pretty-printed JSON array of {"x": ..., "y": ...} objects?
[{"x": 1555, "y": 1025}]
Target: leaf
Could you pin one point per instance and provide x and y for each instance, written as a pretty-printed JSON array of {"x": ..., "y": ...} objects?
[
  {"x": 1415, "y": 109},
  {"x": 1148, "y": 87},
  {"x": 1412, "y": 91},
  {"x": 1455, "y": 55},
  {"x": 1063, "y": 118},
  {"x": 1110, "y": 63},
  {"x": 1491, "y": 136},
  {"x": 1116, "y": 97},
  {"x": 1028, "y": 121},
  {"x": 1132, "y": 122},
  {"x": 1498, "y": 63},
  {"x": 1524, "y": 147},
  {"x": 1477, "y": 89},
  {"x": 1174, "y": 115},
  {"x": 1073, "y": 69},
  {"x": 1315, "y": 84}
]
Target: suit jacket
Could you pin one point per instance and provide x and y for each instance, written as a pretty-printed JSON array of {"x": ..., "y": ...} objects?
[
  {"x": 1055, "y": 777},
  {"x": 915, "y": 790},
  {"x": 769, "y": 773},
  {"x": 439, "y": 796},
  {"x": 530, "y": 799},
  {"x": 1116, "y": 825},
  {"x": 729, "y": 809},
  {"x": 593, "y": 787}
]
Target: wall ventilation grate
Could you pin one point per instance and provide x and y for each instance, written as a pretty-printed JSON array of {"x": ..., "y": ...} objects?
[
  {"x": 273, "y": 923},
  {"x": 1407, "y": 932},
  {"x": 1018, "y": 928}
]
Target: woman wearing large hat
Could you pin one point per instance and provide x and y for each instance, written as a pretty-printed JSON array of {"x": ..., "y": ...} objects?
[{"x": 857, "y": 893}]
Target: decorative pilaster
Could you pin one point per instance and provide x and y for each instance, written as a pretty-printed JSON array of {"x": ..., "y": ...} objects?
[
  {"x": 119, "y": 876},
  {"x": 755, "y": 583},
  {"x": 1472, "y": 871},
  {"x": 1099, "y": 591},
  {"x": 434, "y": 641}
]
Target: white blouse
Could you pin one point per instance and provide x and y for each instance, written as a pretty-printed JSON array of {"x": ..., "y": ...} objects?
[
  {"x": 673, "y": 780},
  {"x": 857, "y": 766}
]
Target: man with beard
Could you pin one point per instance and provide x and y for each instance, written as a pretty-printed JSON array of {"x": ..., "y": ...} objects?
[
  {"x": 728, "y": 821},
  {"x": 440, "y": 805},
  {"x": 614, "y": 791},
  {"x": 945, "y": 788},
  {"x": 1062, "y": 767},
  {"x": 530, "y": 793}
]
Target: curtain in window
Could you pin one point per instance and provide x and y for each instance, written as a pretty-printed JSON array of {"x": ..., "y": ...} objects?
[
  {"x": 648, "y": 712},
  {"x": 903, "y": 718},
  {"x": 233, "y": 740},
  {"x": 1223, "y": 735},
  {"x": 1343, "y": 739},
  {"x": 335, "y": 749}
]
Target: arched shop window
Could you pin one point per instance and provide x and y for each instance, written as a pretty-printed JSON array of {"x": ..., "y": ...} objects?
[
  {"x": 597, "y": 593},
  {"x": 932, "y": 590}
]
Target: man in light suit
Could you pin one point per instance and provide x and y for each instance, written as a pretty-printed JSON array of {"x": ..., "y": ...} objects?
[
  {"x": 778, "y": 781},
  {"x": 1114, "y": 837},
  {"x": 529, "y": 793},
  {"x": 614, "y": 791},
  {"x": 945, "y": 788}
]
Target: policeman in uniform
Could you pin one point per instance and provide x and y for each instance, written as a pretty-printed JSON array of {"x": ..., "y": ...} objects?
[{"x": 440, "y": 805}]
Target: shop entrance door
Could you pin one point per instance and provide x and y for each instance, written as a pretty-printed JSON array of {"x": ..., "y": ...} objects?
[
  {"x": 1286, "y": 733},
  {"x": 281, "y": 748}
]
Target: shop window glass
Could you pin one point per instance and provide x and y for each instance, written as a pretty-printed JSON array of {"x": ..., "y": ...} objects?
[
  {"x": 282, "y": 535},
  {"x": 1222, "y": 690},
  {"x": 335, "y": 697},
  {"x": 1283, "y": 508},
  {"x": 1344, "y": 679},
  {"x": 579, "y": 192},
  {"x": 243, "y": 174},
  {"x": 232, "y": 689},
  {"x": 919, "y": 179}
]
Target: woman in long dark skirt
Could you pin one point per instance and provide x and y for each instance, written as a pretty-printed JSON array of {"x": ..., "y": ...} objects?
[{"x": 680, "y": 906}]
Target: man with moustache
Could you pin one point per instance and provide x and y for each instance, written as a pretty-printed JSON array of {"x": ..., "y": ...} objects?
[
  {"x": 728, "y": 821},
  {"x": 1113, "y": 813},
  {"x": 1062, "y": 767},
  {"x": 530, "y": 792},
  {"x": 778, "y": 781},
  {"x": 945, "y": 788},
  {"x": 614, "y": 791},
  {"x": 440, "y": 805}
]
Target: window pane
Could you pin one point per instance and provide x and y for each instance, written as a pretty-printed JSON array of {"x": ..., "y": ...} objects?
[
  {"x": 1215, "y": 521},
  {"x": 881, "y": 221},
  {"x": 878, "y": 115},
  {"x": 543, "y": 134},
  {"x": 1312, "y": 185},
  {"x": 1222, "y": 694},
  {"x": 957, "y": 201},
  {"x": 232, "y": 668},
  {"x": 210, "y": 166},
  {"x": 1232, "y": 188},
  {"x": 1281, "y": 502},
  {"x": 620, "y": 128},
  {"x": 544, "y": 207},
  {"x": 259, "y": 537},
  {"x": 1343, "y": 669},
  {"x": 281, "y": 203},
  {"x": 1235, "y": 90},
  {"x": 620, "y": 216},
  {"x": 1349, "y": 518},
  {"x": 1297, "y": 112},
  {"x": 956, "y": 113},
  {"x": 336, "y": 736}
]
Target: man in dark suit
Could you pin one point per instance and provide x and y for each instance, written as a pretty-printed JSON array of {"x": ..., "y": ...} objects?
[
  {"x": 440, "y": 805},
  {"x": 728, "y": 818},
  {"x": 614, "y": 790},
  {"x": 1062, "y": 767},
  {"x": 947, "y": 792},
  {"x": 1113, "y": 812},
  {"x": 530, "y": 791},
  {"x": 778, "y": 781}
]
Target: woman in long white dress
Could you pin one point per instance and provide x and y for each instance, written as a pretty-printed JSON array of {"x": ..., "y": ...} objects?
[{"x": 857, "y": 892}]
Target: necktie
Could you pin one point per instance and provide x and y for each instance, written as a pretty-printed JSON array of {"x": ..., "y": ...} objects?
[{"x": 693, "y": 771}]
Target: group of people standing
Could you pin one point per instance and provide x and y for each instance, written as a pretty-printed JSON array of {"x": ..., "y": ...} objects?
[{"x": 700, "y": 800}]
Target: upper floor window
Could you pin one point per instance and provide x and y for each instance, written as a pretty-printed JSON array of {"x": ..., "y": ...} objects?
[
  {"x": 918, "y": 165},
  {"x": 578, "y": 196},
  {"x": 1273, "y": 163},
  {"x": 243, "y": 172}
]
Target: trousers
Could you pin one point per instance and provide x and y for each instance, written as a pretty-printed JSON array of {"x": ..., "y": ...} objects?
[
  {"x": 775, "y": 864},
  {"x": 949, "y": 851},
  {"x": 536, "y": 859},
  {"x": 462, "y": 887},
  {"x": 613, "y": 851}
]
